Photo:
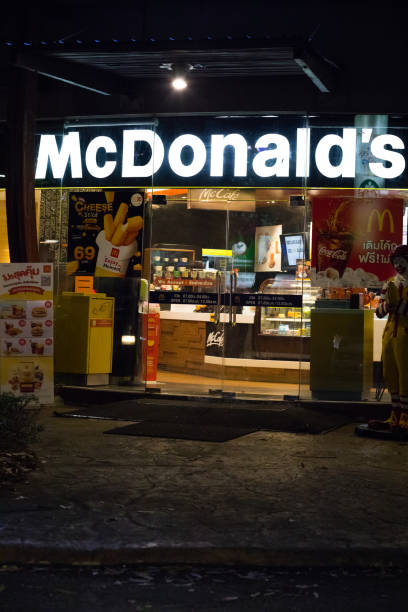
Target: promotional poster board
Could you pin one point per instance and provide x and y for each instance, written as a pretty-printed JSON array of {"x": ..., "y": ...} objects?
[
  {"x": 352, "y": 239},
  {"x": 27, "y": 330},
  {"x": 106, "y": 232},
  {"x": 268, "y": 248}
]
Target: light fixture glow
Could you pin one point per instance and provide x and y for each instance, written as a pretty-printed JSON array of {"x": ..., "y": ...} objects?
[
  {"x": 180, "y": 72},
  {"x": 128, "y": 340},
  {"x": 179, "y": 83}
]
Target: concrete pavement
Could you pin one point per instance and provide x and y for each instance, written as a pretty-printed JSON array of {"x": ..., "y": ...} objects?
[{"x": 280, "y": 499}]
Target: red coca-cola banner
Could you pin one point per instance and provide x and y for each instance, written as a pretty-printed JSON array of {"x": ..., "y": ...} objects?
[{"x": 352, "y": 239}]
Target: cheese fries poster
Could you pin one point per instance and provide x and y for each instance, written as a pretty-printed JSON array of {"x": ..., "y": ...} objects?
[{"x": 105, "y": 233}]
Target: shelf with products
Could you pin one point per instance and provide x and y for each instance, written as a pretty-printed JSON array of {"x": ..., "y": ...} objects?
[
  {"x": 173, "y": 267},
  {"x": 161, "y": 259},
  {"x": 287, "y": 321}
]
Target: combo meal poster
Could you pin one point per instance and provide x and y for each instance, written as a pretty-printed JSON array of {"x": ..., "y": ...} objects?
[
  {"x": 352, "y": 240},
  {"x": 27, "y": 331},
  {"x": 105, "y": 233}
]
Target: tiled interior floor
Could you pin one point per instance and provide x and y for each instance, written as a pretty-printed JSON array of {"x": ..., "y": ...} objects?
[{"x": 176, "y": 382}]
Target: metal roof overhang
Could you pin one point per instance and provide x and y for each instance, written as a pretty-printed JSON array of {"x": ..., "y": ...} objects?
[{"x": 112, "y": 69}]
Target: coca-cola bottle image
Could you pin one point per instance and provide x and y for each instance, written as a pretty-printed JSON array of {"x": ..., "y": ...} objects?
[{"x": 333, "y": 251}]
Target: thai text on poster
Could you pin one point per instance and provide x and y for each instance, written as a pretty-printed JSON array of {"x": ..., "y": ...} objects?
[
  {"x": 352, "y": 240},
  {"x": 105, "y": 233}
]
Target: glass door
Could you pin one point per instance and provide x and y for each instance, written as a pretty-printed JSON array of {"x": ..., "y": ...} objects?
[
  {"x": 227, "y": 279},
  {"x": 267, "y": 330},
  {"x": 187, "y": 265}
]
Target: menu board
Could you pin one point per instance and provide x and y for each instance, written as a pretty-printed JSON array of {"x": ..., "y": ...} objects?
[{"x": 27, "y": 330}]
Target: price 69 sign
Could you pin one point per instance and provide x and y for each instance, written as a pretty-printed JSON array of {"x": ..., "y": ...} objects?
[
  {"x": 86, "y": 212},
  {"x": 86, "y": 253}
]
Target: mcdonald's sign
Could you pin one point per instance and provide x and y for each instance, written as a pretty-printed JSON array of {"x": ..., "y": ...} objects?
[{"x": 380, "y": 220}]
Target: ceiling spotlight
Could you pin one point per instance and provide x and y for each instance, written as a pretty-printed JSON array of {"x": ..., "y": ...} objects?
[
  {"x": 179, "y": 83},
  {"x": 180, "y": 72}
]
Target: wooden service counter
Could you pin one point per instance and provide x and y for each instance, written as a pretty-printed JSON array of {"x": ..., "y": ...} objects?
[{"x": 190, "y": 343}]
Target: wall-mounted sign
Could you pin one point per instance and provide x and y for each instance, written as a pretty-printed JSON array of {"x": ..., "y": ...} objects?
[
  {"x": 105, "y": 232},
  {"x": 238, "y": 299},
  {"x": 207, "y": 151},
  {"x": 267, "y": 248},
  {"x": 222, "y": 199},
  {"x": 27, "y": 331},
  {"x": 353, "y": 239}
]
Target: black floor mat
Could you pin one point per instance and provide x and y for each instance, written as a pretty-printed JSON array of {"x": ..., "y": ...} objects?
[
  {"x": 276, "y": 416},
  {"x": 365, "y": 431},
  {"x": 182, "y": 431}
]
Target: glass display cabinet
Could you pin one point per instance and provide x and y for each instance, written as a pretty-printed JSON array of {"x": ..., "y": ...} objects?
[{"x": 284, "y": 332}]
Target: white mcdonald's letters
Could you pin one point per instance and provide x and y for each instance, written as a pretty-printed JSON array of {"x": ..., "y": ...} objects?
[{"x": 188, "y": 155}]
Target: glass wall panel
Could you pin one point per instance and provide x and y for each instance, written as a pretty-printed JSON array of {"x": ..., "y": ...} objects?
[
  {"x": 356, "y": 202},
  {"x": 95, "y": 233}
]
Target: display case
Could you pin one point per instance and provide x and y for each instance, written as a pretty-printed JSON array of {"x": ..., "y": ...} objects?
[
  {"x": 175, "y": 268},
  {"x": 284, "y": 332},
  {"x": 285, "y": 321},
  {"x": 157, "y": 259}
]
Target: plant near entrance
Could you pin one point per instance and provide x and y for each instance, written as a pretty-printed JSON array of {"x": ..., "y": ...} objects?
[{"x": 18, "y": 422}]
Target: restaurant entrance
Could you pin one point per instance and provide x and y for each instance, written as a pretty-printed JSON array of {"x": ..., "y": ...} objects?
[
  {"x": 229, "y": 286},
  {"x": 254, "y": 250}
]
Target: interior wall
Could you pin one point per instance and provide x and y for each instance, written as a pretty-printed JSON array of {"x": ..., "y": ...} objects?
[{"x": 4, "y": 239}]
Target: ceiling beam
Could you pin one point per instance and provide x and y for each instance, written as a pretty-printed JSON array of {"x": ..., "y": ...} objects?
[
  {"x": 319, "y": 71},
  {"x": 106, "y": 83}
]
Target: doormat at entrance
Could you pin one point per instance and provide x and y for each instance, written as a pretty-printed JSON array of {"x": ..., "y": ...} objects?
[
  {"x": 181, "y": 431},
  {"x": 272, "y": 416}
]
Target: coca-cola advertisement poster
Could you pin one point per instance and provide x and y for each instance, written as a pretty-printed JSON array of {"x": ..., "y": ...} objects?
[{"x": 352, "y": 239}]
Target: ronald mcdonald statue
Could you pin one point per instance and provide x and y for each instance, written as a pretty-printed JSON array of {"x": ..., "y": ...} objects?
[{"x": 394, "y": 303}]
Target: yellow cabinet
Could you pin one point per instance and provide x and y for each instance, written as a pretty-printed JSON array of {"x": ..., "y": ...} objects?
[{"x": 84, "y": 333}]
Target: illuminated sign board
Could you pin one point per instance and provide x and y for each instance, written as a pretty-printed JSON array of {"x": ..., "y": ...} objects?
[{"x": 197, "y": 152}]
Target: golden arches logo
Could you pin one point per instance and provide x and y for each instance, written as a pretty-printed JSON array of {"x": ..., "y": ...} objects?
[{"x": 380, "y": 219}]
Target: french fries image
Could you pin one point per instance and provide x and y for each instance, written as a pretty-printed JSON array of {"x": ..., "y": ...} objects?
[
  {"x": 119, "y": 236},
  {"x": 135, "y": 224},
  {"x": 120, "y": 215},
  {"x": 130, "y": 237},
  {"x": 108, "y": 225},
  {"x": 119, "y": 232}
]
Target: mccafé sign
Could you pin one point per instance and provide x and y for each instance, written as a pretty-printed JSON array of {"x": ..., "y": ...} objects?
[{"x": 199, "y": 151}]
